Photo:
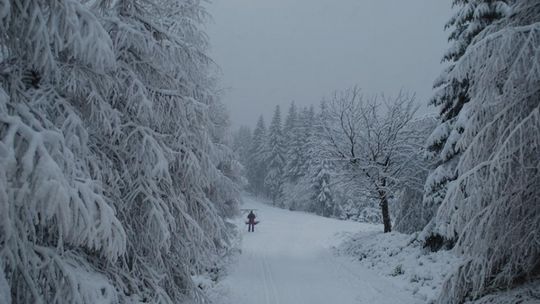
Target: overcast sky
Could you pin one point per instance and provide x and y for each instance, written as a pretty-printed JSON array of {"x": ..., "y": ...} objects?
[{"x": 275, "y": 51}]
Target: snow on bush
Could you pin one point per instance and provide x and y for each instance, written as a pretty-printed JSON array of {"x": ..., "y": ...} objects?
[{"x": 402, "y": 258}]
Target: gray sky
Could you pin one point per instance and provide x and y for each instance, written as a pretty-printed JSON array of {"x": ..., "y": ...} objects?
[{"x": 275, "y": 51}]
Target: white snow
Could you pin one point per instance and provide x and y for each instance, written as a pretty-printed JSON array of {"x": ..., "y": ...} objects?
[
  {"x": 289, "y": 259},
  {"x": 401, "y": 258}
]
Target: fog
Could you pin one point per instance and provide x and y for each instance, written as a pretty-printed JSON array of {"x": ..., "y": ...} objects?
[{"x": 274, "y": 52}]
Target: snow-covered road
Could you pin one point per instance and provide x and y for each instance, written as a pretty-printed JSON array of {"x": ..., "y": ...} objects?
[{"x": 288, "y": 260}]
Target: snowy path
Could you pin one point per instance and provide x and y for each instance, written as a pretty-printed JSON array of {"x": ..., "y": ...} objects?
[{"x": 287, "y": 260}]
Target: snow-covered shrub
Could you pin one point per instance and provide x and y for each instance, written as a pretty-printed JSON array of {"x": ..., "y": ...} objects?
[
  {"x": 401, "y": 258},
  {"x": 398, "y": 270}
]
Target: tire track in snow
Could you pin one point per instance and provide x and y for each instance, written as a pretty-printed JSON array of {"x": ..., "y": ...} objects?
[
  {"x": 265, "y": 281},
  {"x": 375, "y": 292},
  {"x": 268, "y": 271},
  {"x": 369, "y": 294}
]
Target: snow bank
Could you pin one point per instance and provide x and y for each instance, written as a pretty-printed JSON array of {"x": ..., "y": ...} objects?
[{"x": 402, "y": 259}]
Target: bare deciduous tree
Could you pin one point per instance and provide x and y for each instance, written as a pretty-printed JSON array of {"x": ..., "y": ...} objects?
[{"x": 371, "y": 137}]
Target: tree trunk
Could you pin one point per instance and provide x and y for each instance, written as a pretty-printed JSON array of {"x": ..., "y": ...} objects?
[{"x": 385, "y": 213}]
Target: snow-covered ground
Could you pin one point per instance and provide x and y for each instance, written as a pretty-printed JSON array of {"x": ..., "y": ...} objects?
[
  {"x": 289, "y": 259},
  {"x": 403, "y": 260}
]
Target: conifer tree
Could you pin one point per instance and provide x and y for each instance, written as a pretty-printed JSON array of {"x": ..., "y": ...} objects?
[
  {"x": 471, "y": 17},
  {"x": 322, "y": 195},
  {"x": 306, "y": 133},
  {"x": 275, "y": 158},
  {"x": 111, "y": 166},
  {"x": 256, "y": 167},
  {"x": 242, "y": 139},
  {"x": 491, "y": 209},
  {"x": 295, "y": 150},
  {"x": 290, "y": 122}
]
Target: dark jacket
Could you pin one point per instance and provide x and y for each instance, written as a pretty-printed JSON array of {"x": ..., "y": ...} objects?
[{"x": 251, "y": 217}]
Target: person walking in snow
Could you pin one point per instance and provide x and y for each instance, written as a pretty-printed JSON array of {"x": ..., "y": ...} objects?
[{"x": 251, "y": 221}]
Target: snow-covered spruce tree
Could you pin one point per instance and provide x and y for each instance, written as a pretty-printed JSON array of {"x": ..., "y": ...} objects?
[
  {"x": 171, "y": 189},
  {"x": 290, "y": 122},
  {"x": 371, "y": 137},
  {"x": 316, "y": 166},
  {"x": 256, "y": 162},
  {"x": 275, "y": 159},
  {"x": 228, "y": 179},
  {"x": 302, "y": 165},
  {"x": 309, "y": 138},
  {"x": 293, "y": 152},
  {"x": 107, "y": 108},
  {"x": 242, "y": 143},
  {"x": 452, "y": 94},
  {"x": 470, "y": 18},
  {"x": 58, "y": 230},
  {"x": 491, "y": 209},
  {"x": 293, "y": 142},
  {"x": 298, "y": 179},
  {"x": 297, "y": 176},
  {"x": 323, "y": 196}
]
